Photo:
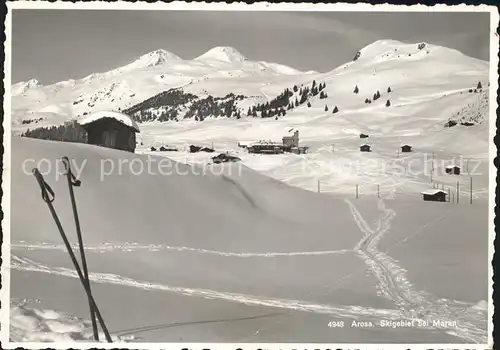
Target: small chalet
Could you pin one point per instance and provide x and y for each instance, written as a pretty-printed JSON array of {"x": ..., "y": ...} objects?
[
  {"x": 434, "y": 195},
  {"x": 110, "y": 129},
  {"x": 363, "y": 136},
  {"x": 453, "y": 170},
  {"x": 406, "y": 148},
  {"x": 224, "y": 158},
  {"x": 365, "y": 148}
]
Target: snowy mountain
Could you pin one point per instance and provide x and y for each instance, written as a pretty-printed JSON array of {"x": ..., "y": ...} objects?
[
  {"x": 24, "y": 86},
  {"x": 146, "y": 76},
  {"x": 222, "y": 53},
  {"x": 405, "y": 93}
]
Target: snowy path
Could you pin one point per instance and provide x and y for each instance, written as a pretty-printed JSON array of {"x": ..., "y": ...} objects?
[
  {"x": 130, "y": 247},
  {"x": 409, "y": 303},
  {"x": 460, "y": 320},
  {"x": 24, "y": 264}
]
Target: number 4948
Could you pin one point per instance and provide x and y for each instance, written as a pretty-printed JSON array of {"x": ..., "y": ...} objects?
[{"x": 336, "y": 324}]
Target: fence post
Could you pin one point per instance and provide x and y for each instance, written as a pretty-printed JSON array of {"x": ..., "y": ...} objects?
[
  {"x": 357, "y": 195},
  {"x": 378, "y": 191},
  {"x": 432, "y": 168},
  {"x": 471, "y": 190}
]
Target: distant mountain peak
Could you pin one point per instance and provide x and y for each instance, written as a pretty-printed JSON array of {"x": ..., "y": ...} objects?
[
  {"x": 222, "y": 53},
  {"x": 33, "y": 83},
  {"x": 24, "y": 86},
  {"x": 155, "y": 58}
]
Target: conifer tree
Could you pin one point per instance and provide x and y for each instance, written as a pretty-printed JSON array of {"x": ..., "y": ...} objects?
[
  {"x": 356, "y": 90},
  {"x": 326, "y": 108},
  {"x": 335, "y": 110},
  {"x": 388, "y": 103}
]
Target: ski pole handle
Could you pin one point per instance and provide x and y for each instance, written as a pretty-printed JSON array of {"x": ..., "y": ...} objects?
[
  {"x": 69, "y": 173},
  {"x": 47, "y": 192}
]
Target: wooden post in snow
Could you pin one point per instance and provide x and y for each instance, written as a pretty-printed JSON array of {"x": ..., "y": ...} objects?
[
  {"x": 449, "y": 195},
  {"x": 333, "y": 148},
  {"x": 357, "y": 194},
  {"x": 378, "y": 191},
  {"x": 453, "y": 194},
  {"x": 471, "y": 190},
  {"x": 458, "y": 192},
  {"x": 432, "y": 168}
]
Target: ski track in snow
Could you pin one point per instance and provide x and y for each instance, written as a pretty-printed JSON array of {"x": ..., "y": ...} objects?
[
  {"x": 394, "y": 285},
  {"x": 24, "y": 264},
  {"x": 130, "y": 247},
  {"x": 471, "y": 324}
]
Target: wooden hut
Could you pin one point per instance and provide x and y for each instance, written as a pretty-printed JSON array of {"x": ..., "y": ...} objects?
[
  {"x": 453, "y": 170},
  {"x": 363, "y": 136},
  {"x": 365, "y": 148},
  {"x": 434, "y": 195},
  {"x": 405, "y": 148},
  {"x": 110, "y": 129}
]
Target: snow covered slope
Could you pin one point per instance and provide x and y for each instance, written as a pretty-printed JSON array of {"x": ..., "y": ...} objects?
[{"x": 218, "y": 248}]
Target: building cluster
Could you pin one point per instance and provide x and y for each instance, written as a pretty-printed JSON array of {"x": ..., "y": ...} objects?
[{"x": 290, "y": 144}]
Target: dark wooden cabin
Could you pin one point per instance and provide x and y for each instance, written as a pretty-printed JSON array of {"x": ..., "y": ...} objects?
[
  {"x": 453, "y": 170},
  {"x": 406, "y": 148},
  {"x": 363, "y": 136},
  {"x": 365, "y": 148},
  {"x": 434, "y": 195},
  {"x": 111, "y": 129}
]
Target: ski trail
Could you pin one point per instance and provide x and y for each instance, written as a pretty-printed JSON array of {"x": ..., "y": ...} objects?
[
  {"x": 24, "y": 264},
  {"x": 129, "y": 247},
  {"x": 470, "y": 326}
]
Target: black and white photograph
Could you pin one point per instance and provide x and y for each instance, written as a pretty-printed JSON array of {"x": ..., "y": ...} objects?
[{"x": 193, "y": 173}]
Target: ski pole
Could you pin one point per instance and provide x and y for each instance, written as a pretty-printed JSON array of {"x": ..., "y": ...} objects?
[
  {"x": 72, "y": 181},
  {"x": 48, "y": 196}
]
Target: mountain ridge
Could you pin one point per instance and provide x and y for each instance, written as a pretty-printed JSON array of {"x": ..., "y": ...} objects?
[{"x": 379, "y": 65}]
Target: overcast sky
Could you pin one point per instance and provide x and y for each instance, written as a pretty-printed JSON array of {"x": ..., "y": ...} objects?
[{"x": 55, "y": 45}]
